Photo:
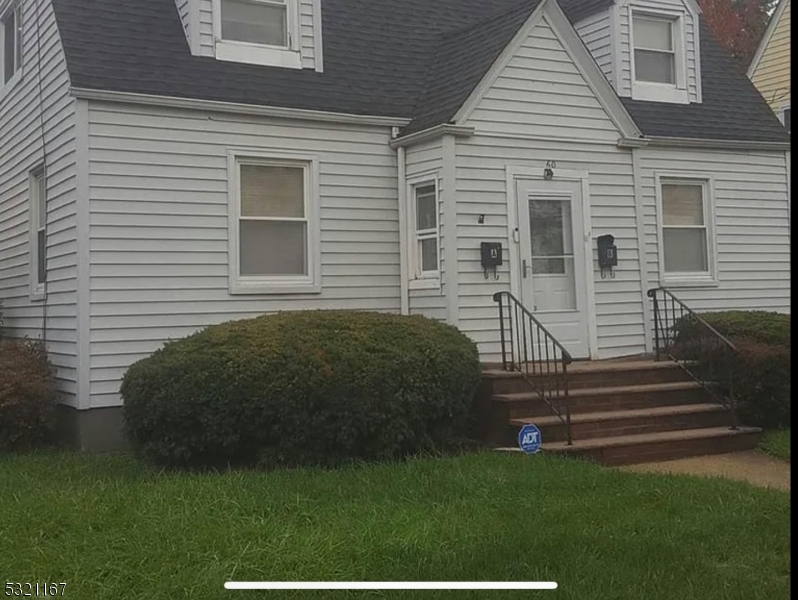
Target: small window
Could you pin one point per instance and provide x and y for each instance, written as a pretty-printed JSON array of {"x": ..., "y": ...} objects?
[
  {"x": 263, "y": 22},
  {"x": 685, "y": 228},
  {"x": 426, "y": 236},
  {"x": 38, "y": 227},
  {"x": 275, "y": 233},
  {"x": 10, "y": 44},
  {"x": 655, "y": 55}
]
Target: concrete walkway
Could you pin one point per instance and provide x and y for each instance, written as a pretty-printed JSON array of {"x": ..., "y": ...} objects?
[{"x": 757, "y": 468}]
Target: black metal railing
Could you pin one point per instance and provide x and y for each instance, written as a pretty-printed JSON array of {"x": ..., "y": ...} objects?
[
  {"x": 705, "y": 354},
  {"x": 529, "y": 348}
]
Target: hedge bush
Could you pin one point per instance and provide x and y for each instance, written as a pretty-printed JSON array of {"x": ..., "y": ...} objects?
[
  {"x": 27, "y": 395},
  {"x": 761, "y": 368},
  {"x": 304, "y": 388}
]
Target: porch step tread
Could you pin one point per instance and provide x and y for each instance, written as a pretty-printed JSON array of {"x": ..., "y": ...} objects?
[
  {"x": 597, "y": 417},
  {"x": 606, "y": 391},
  {"x": 597, "y": 366},
  {"x": 643, "y": 438}
]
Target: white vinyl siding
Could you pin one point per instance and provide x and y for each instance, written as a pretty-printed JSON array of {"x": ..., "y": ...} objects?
[
  {"x": 689, "y": 61},
  {"x": 425, "y": 160},
  {"x": 159, "y": 226},
  {"x": 750, "y": 221},
  {"x": 22, "y": 114},
  {"x": 541, "y": 109},
  {"x": 596, "y": 33}
]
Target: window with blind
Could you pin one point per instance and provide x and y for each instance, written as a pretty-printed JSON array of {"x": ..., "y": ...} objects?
[
  {"x": 686, "y": 233},
  {"x": 655, "y": 53},
  {"x": 262, "y": 22},
  {"x": 274, "y": 222},
  {"x": 262, "y": 32},
  {"x": 426, "y": 233}
]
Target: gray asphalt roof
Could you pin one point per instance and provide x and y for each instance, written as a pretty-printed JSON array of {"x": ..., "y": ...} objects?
[{"x": 416, "y": 59}]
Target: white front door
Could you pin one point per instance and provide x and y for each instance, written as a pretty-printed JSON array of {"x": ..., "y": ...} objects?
[{"x": 553, "y": 270}]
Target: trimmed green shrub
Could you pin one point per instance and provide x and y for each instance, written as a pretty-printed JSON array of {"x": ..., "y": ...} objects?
[
  {"x": 755, "y": 325},
  {"x": 761, "y": 367},
  {"x": 302, "y": 388},
  {"x": 27, "y": 395}
]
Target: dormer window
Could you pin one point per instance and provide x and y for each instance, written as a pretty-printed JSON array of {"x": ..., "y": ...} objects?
[
  {"x": 263, "y": 32},
  {"x": 658, "y": 60},
  {"x": 655, "y": 58},
  {"x": 263, "y": 22}
]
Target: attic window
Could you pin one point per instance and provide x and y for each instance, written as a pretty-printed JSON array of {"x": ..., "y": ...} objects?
[
  {"x": 255, "y": 21},
  {"x": 655, "y": 57},
  {"x": 658, "y": 59},
  {"x": 262, "y": 32}
]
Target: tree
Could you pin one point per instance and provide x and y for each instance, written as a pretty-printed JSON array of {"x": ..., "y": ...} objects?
[{"x": 738, "y": 25}]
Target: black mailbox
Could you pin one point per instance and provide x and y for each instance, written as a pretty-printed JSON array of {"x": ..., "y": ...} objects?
[
  {"x": 491, "y": 257},
  {"x": 607, "y": 254}
]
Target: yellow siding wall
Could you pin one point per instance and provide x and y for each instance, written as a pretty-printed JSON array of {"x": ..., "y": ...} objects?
[{"x": 772, "y": 74}]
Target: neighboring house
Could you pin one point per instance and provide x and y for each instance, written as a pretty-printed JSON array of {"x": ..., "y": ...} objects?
[
  {"x": 770, "y": 69},
  {"x": 170, "y": 164}
]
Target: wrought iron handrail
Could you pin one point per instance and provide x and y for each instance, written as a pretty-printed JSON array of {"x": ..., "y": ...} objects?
[
  {"x": 529, "y": 348},
  {"x": 697, "y": 347}
]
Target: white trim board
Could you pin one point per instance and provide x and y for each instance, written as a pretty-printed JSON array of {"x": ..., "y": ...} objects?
[
  {"x": 236, "y": 108},
  {"x": 514, "y": 173}
]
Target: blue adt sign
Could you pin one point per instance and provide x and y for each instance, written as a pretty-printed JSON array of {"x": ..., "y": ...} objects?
[{"x": 529, "y": 439}]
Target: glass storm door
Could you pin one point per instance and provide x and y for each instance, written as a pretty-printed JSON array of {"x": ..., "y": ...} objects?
[{"x": 553, "y": 273}]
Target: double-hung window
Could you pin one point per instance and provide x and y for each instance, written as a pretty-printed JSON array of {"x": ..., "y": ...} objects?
[
  {"x": 258, "y": 31},
  {"x": 10, "y": 43},
  {"x": 686, "y": 231},
  {"x": 38, "y": 229},
  {"x": 658, "y": 58},
  {"x": 655, "y": 56},
  {"x": 274, "y": 237},
  {"x": 256, "y": 22},
  {"x": 425, "y": 233}
]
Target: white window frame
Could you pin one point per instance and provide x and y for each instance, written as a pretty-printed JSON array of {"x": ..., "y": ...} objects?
[
  {"x": 260, "y": 54},
  {"x": 707, "y": 278},
  {"x": 422, "y": 280},
  {"x": 14, "y": 6},
  {"x": 278, "y": 284},
  {"x": 38, "y": 290},
  {"x": 782, "y": 111},
  {"x": 661, "y": 92}
]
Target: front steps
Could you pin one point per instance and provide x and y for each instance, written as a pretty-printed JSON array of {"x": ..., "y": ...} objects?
[{"x": 622, "y": 412}]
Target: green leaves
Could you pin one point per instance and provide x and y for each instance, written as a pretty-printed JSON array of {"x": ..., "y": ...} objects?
[{"x": 304, "y": 388}]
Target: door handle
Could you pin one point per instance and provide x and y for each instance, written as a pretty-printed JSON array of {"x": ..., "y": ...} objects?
[{"x": 524, "y": 267}]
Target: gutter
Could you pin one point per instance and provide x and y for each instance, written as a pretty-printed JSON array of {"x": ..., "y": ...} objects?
[
  {"x": 237, "y": 108},
  {"x": 680, "y": 142},
  {"x": 432, "y": 133}
]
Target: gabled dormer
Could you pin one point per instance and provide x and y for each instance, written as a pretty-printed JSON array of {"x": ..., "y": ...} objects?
[
  {"x": 648, "y": 49},
  {"x": 276, "y": 33}
]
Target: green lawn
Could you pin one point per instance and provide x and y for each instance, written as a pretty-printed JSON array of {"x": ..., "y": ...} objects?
[
  {"x": 111, "y": 528},
  {"x": 777, "y": 443}
]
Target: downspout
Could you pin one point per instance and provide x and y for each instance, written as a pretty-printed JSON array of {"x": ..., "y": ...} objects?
[
  {"x": 648, "y": 318},
  {"x": 404, "y": 300}
]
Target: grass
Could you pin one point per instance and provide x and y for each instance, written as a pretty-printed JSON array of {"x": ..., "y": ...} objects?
[
  {"x": 777, "y": 443},
  {"x": 112, "y": 528}
]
